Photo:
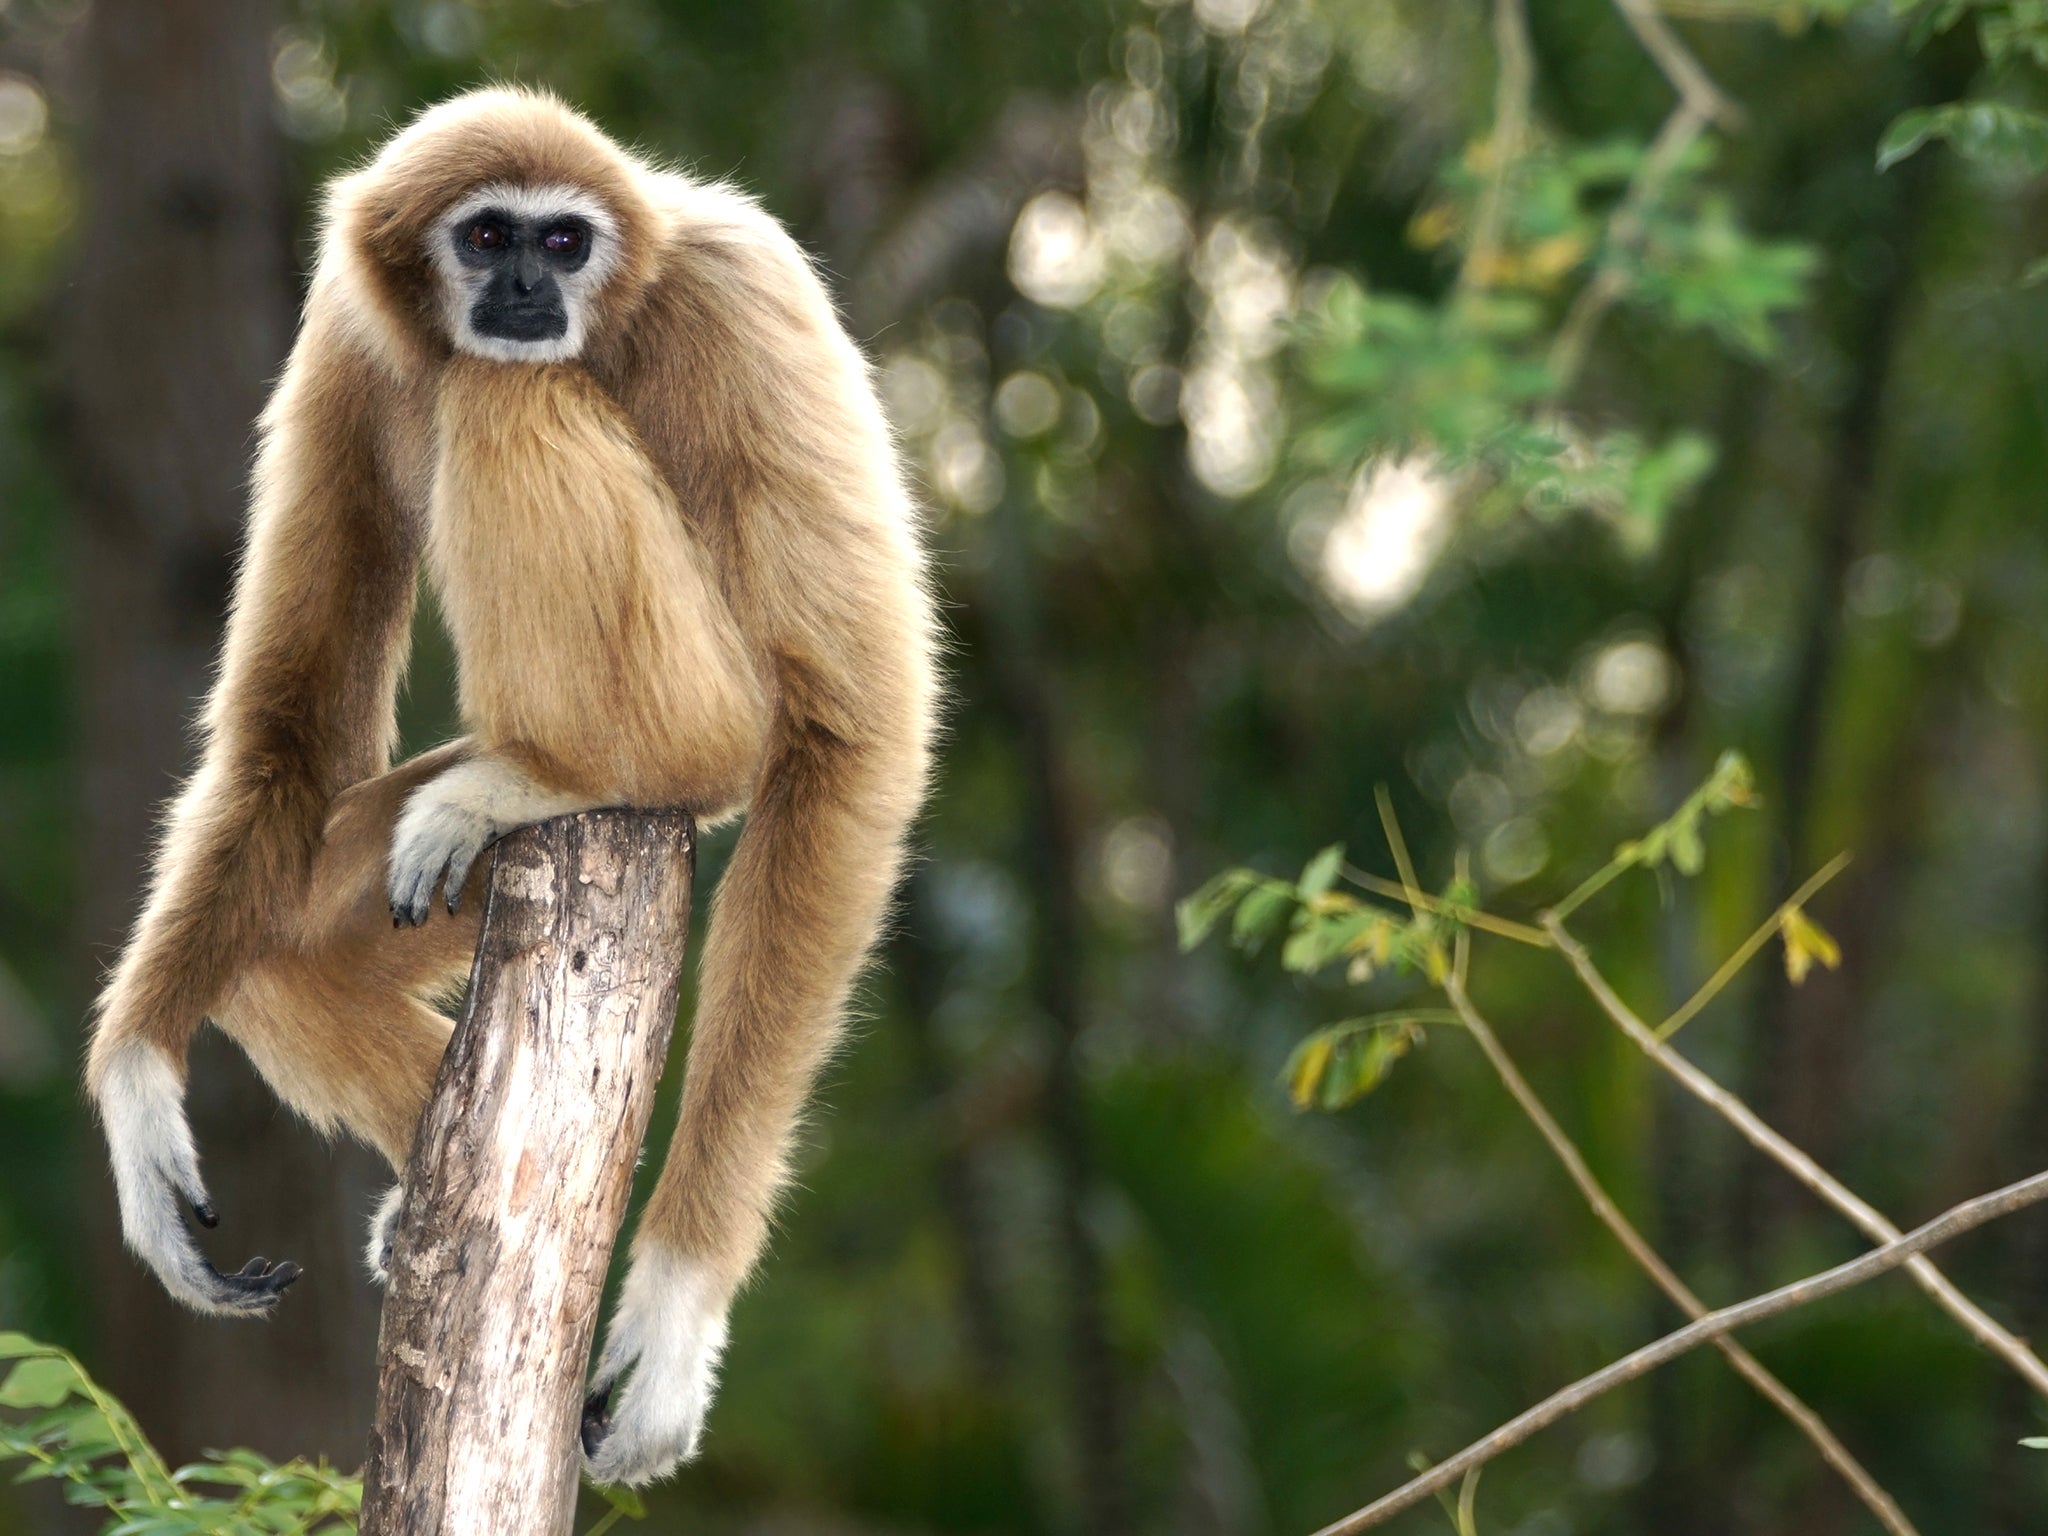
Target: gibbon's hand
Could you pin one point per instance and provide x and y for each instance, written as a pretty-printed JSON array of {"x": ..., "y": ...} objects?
[
  {"x": 156, "y": 1173},
  {"x": 440, "y": 832},
  {"x": 668, "y": 1333}
]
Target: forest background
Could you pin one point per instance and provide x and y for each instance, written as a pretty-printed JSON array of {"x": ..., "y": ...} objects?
[{"x": 1516, "y": 408}]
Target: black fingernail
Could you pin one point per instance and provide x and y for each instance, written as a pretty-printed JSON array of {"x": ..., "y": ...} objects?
[{"x": 204, "y": 1213}]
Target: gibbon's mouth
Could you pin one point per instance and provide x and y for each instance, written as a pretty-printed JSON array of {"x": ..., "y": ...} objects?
[{"x": 520, "y": 322}]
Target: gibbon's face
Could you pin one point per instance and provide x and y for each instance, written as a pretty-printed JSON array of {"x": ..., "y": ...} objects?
[{"x": 520, "y": 267}]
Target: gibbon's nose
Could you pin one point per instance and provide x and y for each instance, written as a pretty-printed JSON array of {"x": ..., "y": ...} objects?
[{"x": 527, "y": 273}]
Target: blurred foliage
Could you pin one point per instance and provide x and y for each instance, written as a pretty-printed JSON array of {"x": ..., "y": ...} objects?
[
  {"x": 79, "y": 1436},
  {"x": 1260, "y": 472}
]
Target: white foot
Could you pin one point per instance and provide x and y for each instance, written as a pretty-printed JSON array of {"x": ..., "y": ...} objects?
[
  {"x": 156, "y": 1174},
  {"x": 668, "y": 1332},
  {"x": 383, "y": 1232},
  {"x": 452, "y": 818}
]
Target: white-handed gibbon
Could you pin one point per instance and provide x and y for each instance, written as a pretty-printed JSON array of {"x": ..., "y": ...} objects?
[{"x": 614, "y": 411}]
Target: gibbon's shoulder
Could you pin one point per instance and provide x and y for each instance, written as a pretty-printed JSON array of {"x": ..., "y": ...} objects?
[{"x": 712, "y": 224}]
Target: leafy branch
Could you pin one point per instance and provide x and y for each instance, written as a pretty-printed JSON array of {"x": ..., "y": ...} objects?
[
  {"x": 1430, "y": 936},
  {"x": 77, "y": 1433},
  {"x": 80, "y": 1435}
]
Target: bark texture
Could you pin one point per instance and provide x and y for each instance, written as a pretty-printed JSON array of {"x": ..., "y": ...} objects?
[{"x": 520, "y": 1177}]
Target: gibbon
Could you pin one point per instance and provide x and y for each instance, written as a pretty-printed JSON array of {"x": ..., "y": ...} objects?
[{"x": 614, "y": 411}]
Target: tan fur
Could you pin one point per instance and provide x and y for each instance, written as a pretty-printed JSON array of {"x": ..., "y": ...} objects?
[{"x": 679, "y": 570}]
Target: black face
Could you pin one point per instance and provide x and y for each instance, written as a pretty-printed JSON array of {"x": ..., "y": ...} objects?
[{"x": 518, "y": 262}]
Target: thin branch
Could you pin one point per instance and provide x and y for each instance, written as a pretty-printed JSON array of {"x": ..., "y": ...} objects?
[
  {"x": 1652, "y": 1264},
  {"x": 1700, "y": 102},
  {"x": 1471, "y": 917},
  {"x": 1999, "y": 1340},
  {"x": 1612, "y": 1217},
  {"x": 1624, "y": 231},
  {"x": 1411, "y": 888},
  {"x": 1694, "y": 86},
  {"x": 1951, "y": 1223},
  {"x": 1514, "y": 84},
  {"x": 1756, "y": 941}
]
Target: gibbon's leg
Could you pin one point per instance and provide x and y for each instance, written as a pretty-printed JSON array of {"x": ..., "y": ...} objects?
[
  {"x": 339, "y": 1023},
  {"x": 331, "y": 1013}
]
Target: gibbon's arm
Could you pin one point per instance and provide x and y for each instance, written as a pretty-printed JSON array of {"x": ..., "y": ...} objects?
[
  {"x": 302, "y": 707},
  {"x": 828, "y": 579}
]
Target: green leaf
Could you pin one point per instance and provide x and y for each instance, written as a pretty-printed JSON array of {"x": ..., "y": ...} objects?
[
  {"x": 1688, "y": 853},
  {"x": 624, "y": 1500},
  {"x": 1197, "y": 916},
  {"x": 1341, "y": 1063},
  {"x": 1320, "y": 937},
  {"x": 1320, "y": 873},
  {"x": 42, "y": 1382},
  {"x": 1260, "y": 914},
  {"x": 1905, "y": 135},
  {"x": 14, "y": 1345},
  {"x": 2036, "y": 1442},
  {"x": 1992, "y": 133}
]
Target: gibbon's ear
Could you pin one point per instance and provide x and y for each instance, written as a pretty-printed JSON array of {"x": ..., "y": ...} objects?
[{"x": 381, "y": 219}]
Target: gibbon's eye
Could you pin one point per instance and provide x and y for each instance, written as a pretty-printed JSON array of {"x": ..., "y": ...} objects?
[
  {"x": 485, "y": 235},
  {"x": 563, "y": 240}
]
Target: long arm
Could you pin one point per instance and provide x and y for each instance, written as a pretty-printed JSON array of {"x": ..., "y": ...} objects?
[
  {"x": 303, "y": 707},
  {"x": 827, "y": 577}
]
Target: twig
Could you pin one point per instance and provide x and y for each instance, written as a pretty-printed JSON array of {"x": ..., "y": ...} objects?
[
  {"x": 1612, "y": 1217},
  {"x": 1471, "y": 917},
  {"x": 1652, "y": 1264},
  {"x": 1514, "y": 83},
  {"x": 1694, "y": 86},
  {"x": 1624, "y": 230},
  {"x": 1800, "y": 1293},
  {"x": 1700, "y": 102},
  {"x": 1712, "y": 986},
  {"x": 1999, "y": 1340}
]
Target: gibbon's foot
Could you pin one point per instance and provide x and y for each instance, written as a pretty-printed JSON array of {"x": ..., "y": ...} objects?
[
  {"x": 383, "y": 1233},
  {"x": 664, "y": 1344},
  {"x": 156, "y": 1173},
  {"x": 439, "y": 834}
]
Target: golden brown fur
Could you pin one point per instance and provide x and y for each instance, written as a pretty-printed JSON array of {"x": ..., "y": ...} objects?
[{"x": 679, "y": 569}]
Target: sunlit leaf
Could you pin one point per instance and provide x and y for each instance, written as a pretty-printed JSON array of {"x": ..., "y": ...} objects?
[
  {"x": 1322, "y": 937},
  {"x": 1259, "y": 915},
  {"x": 1341, "y": 1063},
  {"x": 1320, "y": 873},
  {"x": 43, "y": 1382},
  {"x": 1805, "y": 943}
]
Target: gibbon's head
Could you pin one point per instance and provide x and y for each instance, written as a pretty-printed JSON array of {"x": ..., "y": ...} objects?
[{"x": 501, "y": 224}]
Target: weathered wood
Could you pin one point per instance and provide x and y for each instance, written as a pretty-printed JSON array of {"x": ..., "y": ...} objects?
[{"x": 520, "y": 1176}]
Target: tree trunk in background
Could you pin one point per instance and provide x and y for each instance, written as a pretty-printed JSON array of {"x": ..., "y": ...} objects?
[
  {"x": 1781, "y": 1078},
  {"x": 179, "y": 313}
]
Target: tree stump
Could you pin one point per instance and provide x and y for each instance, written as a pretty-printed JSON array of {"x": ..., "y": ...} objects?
[{"x": 520, "y": 1176}]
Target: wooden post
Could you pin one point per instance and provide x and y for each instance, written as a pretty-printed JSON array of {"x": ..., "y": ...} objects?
[{"x": 520, "y": 1176}]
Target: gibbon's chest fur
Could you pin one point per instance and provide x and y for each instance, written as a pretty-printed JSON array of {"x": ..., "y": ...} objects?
[{"x": 593, "y": 647}]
